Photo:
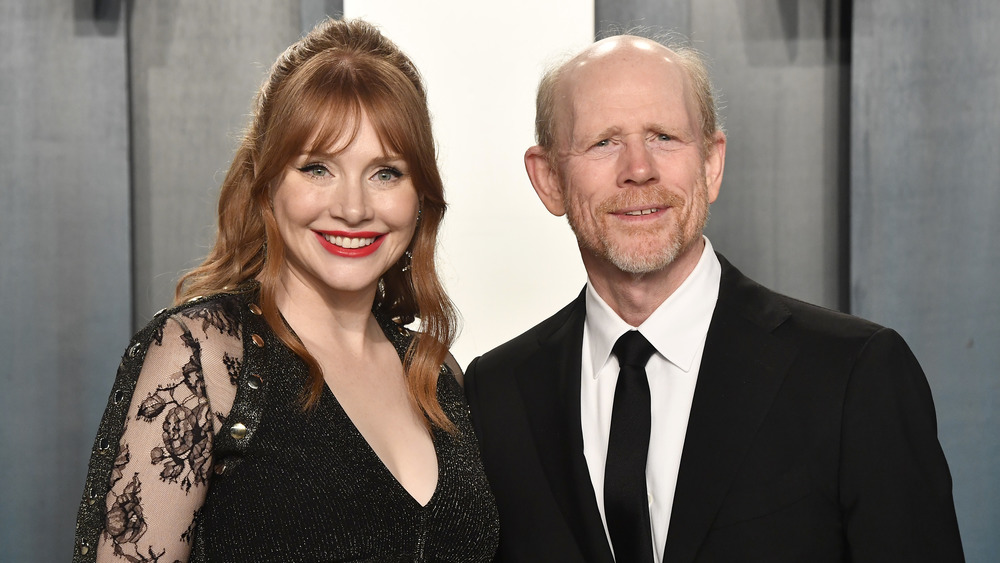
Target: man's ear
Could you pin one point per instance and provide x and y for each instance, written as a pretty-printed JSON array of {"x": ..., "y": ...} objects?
[
  {"x": 715, "y": 161},
  {"x": 545, "y": 179}
]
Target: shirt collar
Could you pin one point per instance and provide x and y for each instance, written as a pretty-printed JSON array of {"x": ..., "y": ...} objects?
[{"x": 677, "y": 328}]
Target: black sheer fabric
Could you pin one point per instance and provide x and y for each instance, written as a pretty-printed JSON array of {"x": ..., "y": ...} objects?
[{"x": 214, "y": 459}]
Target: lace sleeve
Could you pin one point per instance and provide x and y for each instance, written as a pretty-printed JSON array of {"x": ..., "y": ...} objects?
[{"x": 160, "y": 476}]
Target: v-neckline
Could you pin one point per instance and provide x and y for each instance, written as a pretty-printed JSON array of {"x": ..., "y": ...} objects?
[
  {"x": 397, "y": 337},
  {"x": 353, "y": 428}
]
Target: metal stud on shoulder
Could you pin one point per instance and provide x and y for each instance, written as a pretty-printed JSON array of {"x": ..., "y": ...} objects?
[{"x": 238, "y": 431}]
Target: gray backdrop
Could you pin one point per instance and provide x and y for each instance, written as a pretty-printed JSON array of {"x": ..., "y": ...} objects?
[
  {"x": 925, "y": 221},
  {"x": 863, "y": 172},
  {"x": 191, "y": 88},
  {"x": 64, "y": 258}
]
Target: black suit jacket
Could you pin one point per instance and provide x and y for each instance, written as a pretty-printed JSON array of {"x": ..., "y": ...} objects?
[{"x": 812, "y": 438}]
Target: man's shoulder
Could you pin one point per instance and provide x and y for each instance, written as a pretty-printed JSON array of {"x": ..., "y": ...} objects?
[
  {"x": 520, "y": 347},
  {"x": 788, "y": 315}
]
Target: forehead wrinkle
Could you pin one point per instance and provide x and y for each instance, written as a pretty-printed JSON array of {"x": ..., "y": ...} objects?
[{"x": 629, "y": 52}]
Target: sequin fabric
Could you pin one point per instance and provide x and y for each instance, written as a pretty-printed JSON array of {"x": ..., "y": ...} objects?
[{"x": 281, "y": 484}]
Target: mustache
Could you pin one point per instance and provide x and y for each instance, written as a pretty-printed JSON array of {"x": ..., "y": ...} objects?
[{"x": 648, "y": 197}]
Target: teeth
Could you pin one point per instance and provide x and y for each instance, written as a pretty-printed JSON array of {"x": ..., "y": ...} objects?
[
  {"x": 348, "y": 242},
  {"x": 642, "y": 212}
]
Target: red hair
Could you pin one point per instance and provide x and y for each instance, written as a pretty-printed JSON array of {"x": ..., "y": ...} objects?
[{"x": 315, "y": 94}]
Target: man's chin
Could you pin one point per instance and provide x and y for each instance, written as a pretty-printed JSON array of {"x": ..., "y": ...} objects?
[{"x": 642, "y": 263}]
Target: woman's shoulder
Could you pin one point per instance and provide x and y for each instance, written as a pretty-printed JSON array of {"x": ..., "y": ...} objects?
[
  {"x": 175, "y": 386},
  {"x": 396, "y": 332},
  {"x": 219, "y": 316},
  {"x": 222, "y": 312},
  {"x": 202, "y": 339},
  {"x": 402, "y": 336}
]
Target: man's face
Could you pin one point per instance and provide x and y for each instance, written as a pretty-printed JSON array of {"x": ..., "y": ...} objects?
[{"x": 629, "y": 160}]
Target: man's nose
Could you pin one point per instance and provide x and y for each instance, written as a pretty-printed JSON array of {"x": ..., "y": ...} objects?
[{"x": 637, "y": 165}]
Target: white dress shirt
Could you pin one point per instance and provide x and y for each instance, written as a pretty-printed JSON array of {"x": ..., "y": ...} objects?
[{"x": 677, "y": 329}]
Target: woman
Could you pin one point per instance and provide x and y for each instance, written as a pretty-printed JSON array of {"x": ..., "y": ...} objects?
[{"x": 282, "y": 411}]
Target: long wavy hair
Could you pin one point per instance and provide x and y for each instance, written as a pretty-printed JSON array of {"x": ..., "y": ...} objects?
[{"x": 315, "y": 94}]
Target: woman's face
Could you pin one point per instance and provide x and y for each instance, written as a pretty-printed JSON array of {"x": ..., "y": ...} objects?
[{"x": 345, "y": 214}]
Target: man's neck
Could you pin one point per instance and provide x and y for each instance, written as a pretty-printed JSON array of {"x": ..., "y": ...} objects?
[{"x": 634, "y": 297}]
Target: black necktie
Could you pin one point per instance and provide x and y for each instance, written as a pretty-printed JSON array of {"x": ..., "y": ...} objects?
[{"x": 626, "y": 507}]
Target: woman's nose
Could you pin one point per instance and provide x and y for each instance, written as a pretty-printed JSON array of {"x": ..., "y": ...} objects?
[{"x": 350, "y": 202}]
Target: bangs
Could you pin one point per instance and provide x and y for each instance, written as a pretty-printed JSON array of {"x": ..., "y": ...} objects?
[
  {"x": 323, "y": 114},
  {"x": 335, "y": 126},
  {"x": 331, "y": 127},
  {"x": 398, "y": 124}
]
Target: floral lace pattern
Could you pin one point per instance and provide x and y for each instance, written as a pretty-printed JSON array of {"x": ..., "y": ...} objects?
[
  {"x": 126, "y": 524},
  {"x": 233, "y": 367},
  {"x": 187, "y": 426},
  {"x": 154, "y": 499}
]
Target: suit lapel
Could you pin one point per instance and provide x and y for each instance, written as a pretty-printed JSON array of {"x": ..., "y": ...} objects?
[
  {"x": 742, "y": 368},
  {"x": 550, "y": 387}
]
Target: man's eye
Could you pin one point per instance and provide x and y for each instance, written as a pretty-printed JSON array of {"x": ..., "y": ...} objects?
[
  {"x": 602, "y": 143},
  {"x": 663, "y": 137}
]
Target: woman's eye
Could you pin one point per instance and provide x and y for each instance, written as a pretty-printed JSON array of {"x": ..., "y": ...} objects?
[
  {"x": 315, "y": 170},
  {"x": 387, "y": 174}
]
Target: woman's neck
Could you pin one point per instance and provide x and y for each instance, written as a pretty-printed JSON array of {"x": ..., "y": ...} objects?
[{"x": 328, "y": 317}]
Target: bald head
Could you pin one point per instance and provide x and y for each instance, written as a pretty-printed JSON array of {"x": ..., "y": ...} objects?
[{"x": 617, "y": 61}]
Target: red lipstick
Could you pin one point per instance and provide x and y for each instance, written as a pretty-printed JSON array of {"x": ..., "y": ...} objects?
[{"x": 358, "y": 252}]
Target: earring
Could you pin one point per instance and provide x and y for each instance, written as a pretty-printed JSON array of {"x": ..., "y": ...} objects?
[{"x": 407, "y": 260}]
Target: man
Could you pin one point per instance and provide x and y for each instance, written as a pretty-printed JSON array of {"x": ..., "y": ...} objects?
[{"x": 741, "y": 425}]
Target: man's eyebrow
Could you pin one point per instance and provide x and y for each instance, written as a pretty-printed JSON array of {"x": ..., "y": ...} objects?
[
  {"x": 680, "y": 133},
  {"x": 663, "y": 127},
  {"x": 603, "y": 134}
]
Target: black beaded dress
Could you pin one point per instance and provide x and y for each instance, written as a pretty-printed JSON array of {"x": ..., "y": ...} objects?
[{"x": 205, "y": 454}]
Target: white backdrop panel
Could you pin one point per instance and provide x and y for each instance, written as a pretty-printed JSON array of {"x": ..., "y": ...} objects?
[{"x": 507, "y": 263}]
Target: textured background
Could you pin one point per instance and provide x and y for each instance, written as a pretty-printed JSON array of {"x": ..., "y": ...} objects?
[{"x": 863, "y": 173}]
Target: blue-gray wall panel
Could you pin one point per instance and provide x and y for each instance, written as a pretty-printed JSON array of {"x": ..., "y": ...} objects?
[
  {"x": 782, "y": 71},
  {"x": 925, "y": 212},
  {"x": 674, "y": 15},
  {"x": 194, "y": 67},
  {"x": 64, "y": 259},
  {"x": 311, "y": 12}
]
